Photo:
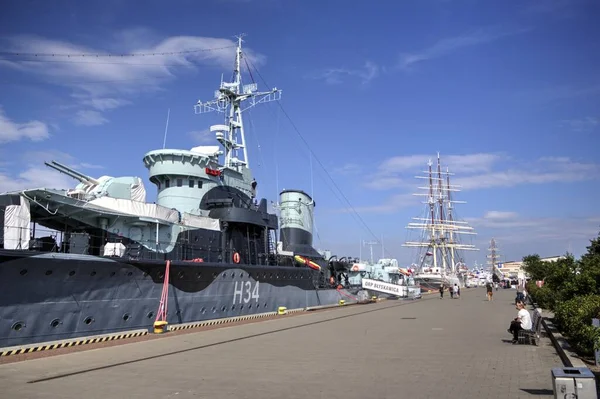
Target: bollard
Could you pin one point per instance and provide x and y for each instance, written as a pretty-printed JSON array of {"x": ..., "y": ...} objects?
[{"x": 160, "y": 327}]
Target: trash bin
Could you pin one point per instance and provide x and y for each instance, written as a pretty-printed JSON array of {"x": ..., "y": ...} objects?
[{"x": 573, "y": 382}]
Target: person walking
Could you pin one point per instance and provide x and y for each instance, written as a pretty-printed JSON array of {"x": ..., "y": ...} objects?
[
  {"x": 490, "y": 292},
  {"x": 442, "y": 291}
]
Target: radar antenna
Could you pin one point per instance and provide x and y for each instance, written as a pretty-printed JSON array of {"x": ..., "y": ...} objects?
[{"x": 228, "y": 100}]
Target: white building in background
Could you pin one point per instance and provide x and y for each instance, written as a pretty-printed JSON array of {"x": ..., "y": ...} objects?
[{"x": 514, "y": 269}]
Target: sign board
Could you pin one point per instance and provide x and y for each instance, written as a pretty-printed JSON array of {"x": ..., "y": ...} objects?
[{"x": 387, "y": 288}]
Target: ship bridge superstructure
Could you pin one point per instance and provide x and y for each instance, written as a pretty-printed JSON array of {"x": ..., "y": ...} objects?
[{"x": 184, "y": 177}]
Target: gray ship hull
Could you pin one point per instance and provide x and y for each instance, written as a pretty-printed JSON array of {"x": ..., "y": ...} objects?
[{"x": 52, "y": 296}]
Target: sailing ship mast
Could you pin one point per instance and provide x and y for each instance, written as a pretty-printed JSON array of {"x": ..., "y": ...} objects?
[
  {"x": 440, "y": 225},
  {"x": 493, "y": 256}
]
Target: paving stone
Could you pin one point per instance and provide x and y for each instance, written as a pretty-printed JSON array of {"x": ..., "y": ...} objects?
[{"x": 421, "y": 349}]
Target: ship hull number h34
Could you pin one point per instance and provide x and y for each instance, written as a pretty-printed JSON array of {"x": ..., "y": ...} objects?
[{"x": 244, "y": 292}]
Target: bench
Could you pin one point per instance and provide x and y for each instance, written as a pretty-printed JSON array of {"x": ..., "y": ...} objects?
[{"x": 532, "y": 336}]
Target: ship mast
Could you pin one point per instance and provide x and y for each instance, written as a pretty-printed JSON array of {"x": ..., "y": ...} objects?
[
  {"x": 228, "y": 100},
  {"x": 493, "y": 256},
  {"x": 440, "y": 224}
]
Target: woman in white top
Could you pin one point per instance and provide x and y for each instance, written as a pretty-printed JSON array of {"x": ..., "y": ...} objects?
[{"x": 521, "y": 322}]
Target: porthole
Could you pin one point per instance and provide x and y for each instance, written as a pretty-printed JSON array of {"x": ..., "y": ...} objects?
[
  {"x": 214, "y": 275},
  {"x": 88, "y": 320},
  {"x": 241, "y": 306},
  {"x": 250, "y": 306},
  {"x": 265, "y": 305},
  {"x": 48, "y": 272},
  {"x": 150, "y": 315},
  {"x": 130, "y": 274},
  {"x": 23, "y": 272},
  {"x": 93, "y": 273},
  {"x": 72, "y": 273},
  {"x": 18, "y": 326},
  {"x": 161, "y": 275},
  {"x": 112, "y": 273},
  {"x": 223, "y": 309},
  {"x": 181, "y": 274},
  {"x": 232, "y": 307},
  {"x": 199, "y": 275},
  {"x": 145, "y": 274},
  {"x": 126, "y": 317},
  {"x": 214, "y": 310},
  {"x": 203, "y": 310},
  {"x": 54, "y": 323}
]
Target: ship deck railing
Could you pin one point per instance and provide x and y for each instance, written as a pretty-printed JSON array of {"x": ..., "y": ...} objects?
[{"x": 47, "y": 240}]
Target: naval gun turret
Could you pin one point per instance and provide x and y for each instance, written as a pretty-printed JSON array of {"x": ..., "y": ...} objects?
[
  {"x": 90, "y": 188},
  {"x": 85, "y": 179}
]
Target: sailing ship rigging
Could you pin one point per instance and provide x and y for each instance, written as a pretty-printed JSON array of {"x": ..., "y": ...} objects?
[{"x": 442, "y": 262}]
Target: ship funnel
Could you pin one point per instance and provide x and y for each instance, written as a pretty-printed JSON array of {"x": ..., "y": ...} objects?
[{"x": 296, "y": 222}]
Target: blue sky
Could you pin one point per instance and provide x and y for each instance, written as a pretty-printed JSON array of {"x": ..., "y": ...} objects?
[{"x": 508, "y": 92}]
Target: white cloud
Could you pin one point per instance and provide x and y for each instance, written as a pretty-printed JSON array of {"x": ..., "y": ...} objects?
[
  {"x": 544, "y": 170},
  {"x": 499, "y": 215},
  {"x": 202, "y": 136},
  {"x": 338, "y": 75},
  {"x": 545, "y": 235},
  {"x": 392, "y": 204},
  {"x": 89, "y": 118},
  {"x": 35, "y": 175},
  {"x": 347, "y": 169},
  {"x": 14, "y": 131},
  {"x": 581, "y": 125},
  {"x": 473, "y": 172},
  {"x": 450, "y": 45},
  {"x": 483, "y": 170},
  {"x": 105, "y": 83}
]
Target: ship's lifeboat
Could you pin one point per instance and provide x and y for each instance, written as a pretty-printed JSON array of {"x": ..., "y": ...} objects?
[{"x": 307, "y": 262}]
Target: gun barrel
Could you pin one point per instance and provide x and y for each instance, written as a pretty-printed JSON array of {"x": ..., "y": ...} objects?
[{"x": 73, "y": 173}]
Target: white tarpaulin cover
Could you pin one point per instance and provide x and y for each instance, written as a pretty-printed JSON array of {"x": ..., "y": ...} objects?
[
  {"x": 136, "y": 208},
  {"x": 138, "y": 192},
  {"x": 17, "y": 226},
  {"x": 201, "y": 222},
  {"x": 114, "y": 249},
  {"x": 142, "y": 209}
]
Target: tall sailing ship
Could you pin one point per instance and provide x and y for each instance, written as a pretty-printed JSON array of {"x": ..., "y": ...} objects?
[
  {"x": 108, "y": 254},
  {"x": 439, "y": 248}
]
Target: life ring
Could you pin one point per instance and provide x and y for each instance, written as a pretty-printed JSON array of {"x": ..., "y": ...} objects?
[{"x": 236, "y": 257}]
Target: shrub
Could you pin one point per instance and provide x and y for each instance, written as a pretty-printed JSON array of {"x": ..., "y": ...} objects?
[{"x": 574, "y": 318}]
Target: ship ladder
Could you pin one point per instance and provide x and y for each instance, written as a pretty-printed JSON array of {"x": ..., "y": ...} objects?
[
  {"x": 272, "y": 242},
  {"x": 160, "y": 324}
]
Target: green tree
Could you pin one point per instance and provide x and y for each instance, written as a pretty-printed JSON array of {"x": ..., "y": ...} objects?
[{"x": 535, "y": 267}]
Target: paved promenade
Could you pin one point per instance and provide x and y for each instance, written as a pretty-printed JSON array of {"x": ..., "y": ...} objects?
[{"x": 428, "y": 348}]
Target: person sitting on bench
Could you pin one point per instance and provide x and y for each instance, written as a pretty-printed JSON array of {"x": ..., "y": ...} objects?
[{"x": 521, "y": 322}]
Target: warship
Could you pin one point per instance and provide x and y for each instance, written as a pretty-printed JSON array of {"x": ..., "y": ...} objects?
[
  {"x": 439, "y": 255},
  {"x": 103, "y": 267}
]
